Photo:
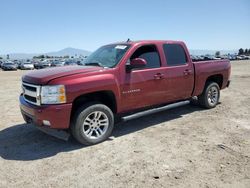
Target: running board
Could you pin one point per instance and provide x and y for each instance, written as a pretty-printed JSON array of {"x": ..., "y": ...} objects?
[{"x": 155, "y": 110}]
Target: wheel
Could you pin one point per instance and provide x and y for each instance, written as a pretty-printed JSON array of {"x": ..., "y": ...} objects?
[
  {"x": 210, "y": 96},
  {"x": 93, "y": 123}
]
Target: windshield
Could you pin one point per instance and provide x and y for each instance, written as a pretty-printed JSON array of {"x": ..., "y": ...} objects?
[{"x": 107, "y": 56}]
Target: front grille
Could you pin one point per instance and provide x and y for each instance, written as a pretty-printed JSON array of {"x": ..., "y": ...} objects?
[
  {"x": 30, "y": 88},
  {"x": 29, "y": 98},
  {"x": 31, "y": 93}
]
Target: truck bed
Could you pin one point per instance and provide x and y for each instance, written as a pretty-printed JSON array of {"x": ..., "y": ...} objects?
[{"x": 205, "y": 69}]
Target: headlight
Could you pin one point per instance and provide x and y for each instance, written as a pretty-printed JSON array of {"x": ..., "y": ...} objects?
[{"x": 53, "y": 94}]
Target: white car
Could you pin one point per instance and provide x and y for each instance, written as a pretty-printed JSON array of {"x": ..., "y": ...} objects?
[
  {"x": 27, "y": 66},
  {"x": 239, "y": 57}
]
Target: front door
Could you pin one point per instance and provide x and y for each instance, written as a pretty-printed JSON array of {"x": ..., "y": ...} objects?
[{"x": 144, "y": 87}]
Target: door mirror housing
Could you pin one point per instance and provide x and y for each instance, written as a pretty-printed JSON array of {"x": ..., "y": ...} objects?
[{"x": 136, "y": 63}]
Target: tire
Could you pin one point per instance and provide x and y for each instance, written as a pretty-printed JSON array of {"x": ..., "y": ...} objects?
[
  {"x": 210, "y": 96},
  {"x": 93, "y": 123}
]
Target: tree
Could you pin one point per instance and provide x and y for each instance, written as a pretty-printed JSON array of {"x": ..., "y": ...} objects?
[
  {"x": 217, "y": 53},
  {"x": 241, "y": 52},
  {"x": 1, "y": 58},
  {"x": 249, "y": 51},
  {"x": 39, "y": 57}
]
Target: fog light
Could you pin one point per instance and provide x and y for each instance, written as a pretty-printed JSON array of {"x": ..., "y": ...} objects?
[{"x": 46, "y": 122}]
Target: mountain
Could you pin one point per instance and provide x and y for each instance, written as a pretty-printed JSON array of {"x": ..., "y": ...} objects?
[
  {"x": 63, "y": 52},
  {"x": 70, "y": 52},
  {"x": 75, "y": 51}
]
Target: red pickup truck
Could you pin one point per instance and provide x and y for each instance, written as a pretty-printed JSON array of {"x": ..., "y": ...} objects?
[{"x": 118, "y": 80}]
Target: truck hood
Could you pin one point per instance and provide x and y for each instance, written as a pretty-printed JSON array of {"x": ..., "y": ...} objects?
[{"x": 42, "y": 77}]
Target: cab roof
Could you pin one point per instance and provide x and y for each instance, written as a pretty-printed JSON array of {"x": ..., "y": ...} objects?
[{"x": 150, "y": 42}]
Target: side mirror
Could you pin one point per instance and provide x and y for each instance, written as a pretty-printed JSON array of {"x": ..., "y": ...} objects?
[{"x": 136, "y": 63}]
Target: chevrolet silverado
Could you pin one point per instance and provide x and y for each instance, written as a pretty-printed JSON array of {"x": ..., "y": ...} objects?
[{"x": 119, "y": 81}]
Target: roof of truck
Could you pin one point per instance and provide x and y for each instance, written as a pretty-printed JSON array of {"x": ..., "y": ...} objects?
[{"x": 149, "y": 41}]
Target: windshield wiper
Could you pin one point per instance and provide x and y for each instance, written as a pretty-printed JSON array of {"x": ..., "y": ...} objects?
[{"x": 94, "y": 64}]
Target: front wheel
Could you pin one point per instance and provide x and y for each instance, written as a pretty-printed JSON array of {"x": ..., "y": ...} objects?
[
  {"x": 93, "y": 123},
  {"x": 210, "y": 96}
]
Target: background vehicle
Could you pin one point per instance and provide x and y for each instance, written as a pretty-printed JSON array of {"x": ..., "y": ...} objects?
[
  {"x": 211, "y": 57},
  {"x": 42, "y": 65},
  {"x": 26, "y": 66},
  {"x": 9, "y": 66},
  {"x": 239, "y": 57},
  {"x": 57, "y": 63},
  {"x": 70, "y": 62},
  {"x": 118, "y": 80}
]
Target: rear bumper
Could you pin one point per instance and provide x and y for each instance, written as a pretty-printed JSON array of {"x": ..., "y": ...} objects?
[
  {"x": 27, "y": 68},
  {"x": 57, "y": 115},
  {"x": 9, "y": 68}
]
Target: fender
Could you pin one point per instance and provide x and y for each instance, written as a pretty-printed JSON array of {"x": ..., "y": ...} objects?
[{"x": 81, "y": 84}]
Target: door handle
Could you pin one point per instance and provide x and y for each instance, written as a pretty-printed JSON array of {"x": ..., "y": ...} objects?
[
  {"x": 187, "y": 72},
  {"x": 158, "y": 76}
]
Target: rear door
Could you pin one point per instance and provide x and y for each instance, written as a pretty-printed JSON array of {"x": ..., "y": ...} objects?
[
  {"x": 144, "y": 87},
  {"x": 179, "y": 72}
]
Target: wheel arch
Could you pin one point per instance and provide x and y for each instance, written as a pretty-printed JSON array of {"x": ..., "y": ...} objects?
[
  {"x": 105, "y": 97},
  {"x": 217, "y": 78}
]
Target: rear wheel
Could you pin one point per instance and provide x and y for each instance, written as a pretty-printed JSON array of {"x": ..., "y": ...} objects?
[
  {"x": 210, "y": 96},
  {"x": 93, "y": 123}
]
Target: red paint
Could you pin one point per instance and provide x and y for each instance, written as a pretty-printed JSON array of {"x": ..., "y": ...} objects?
[
  {"x": 59, "y": 119},
  {"x": 132, "y": 90}
]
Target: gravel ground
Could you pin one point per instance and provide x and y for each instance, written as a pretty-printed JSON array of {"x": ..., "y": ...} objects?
[{"x": 182, "y": 147}]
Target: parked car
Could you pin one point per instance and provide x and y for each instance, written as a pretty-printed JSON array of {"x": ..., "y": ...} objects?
[
  {"x": 194, "y": 58},
  {"x": 118, "y": 80},
  {"x": 211, "y": 57},
  {"x": 42, "y": 65},
  {"x": 238, "y": 57},
  {"x": 57, "y": 63},
  {"x": 81, "y": 62},
  {"x": 1, "y": 62},
  {"x": 244, "y": 57},
  {"x": 26, "y": 66},
  {"x": 70, "y": 62},
  {"x": 9, "y": 66}
]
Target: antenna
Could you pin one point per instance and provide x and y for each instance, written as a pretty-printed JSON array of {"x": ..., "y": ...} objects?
[{"x": 128, "y": 40}]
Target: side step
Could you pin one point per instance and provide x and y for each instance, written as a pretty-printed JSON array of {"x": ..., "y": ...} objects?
[{"x": 155, "y": 110}]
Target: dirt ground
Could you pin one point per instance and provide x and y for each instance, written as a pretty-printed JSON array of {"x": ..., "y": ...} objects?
[{"x": 182, "y": 147}]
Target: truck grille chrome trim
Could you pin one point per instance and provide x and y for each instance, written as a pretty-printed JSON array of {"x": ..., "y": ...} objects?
[{"x": 32, "y": 93}]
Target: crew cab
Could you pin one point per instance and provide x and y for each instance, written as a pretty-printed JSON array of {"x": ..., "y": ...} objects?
[{"x": 118, "y": 80}]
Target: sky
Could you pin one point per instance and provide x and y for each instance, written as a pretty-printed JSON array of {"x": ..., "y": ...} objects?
[{"x": 37, "y": 26}]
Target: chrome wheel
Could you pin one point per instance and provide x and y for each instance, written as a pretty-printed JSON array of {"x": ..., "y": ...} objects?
[
  {"x": 213, "y": 96},
  {"x": 95, "y": 125}
]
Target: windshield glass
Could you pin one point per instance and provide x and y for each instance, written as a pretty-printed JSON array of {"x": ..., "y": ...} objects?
[{"x": 107, "y": 56}]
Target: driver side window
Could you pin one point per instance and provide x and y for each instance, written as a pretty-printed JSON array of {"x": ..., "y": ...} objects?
[{"x": 150, "y": 54}]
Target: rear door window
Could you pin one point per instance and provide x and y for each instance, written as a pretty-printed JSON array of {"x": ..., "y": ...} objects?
[{"x": 175, "y": 54}]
